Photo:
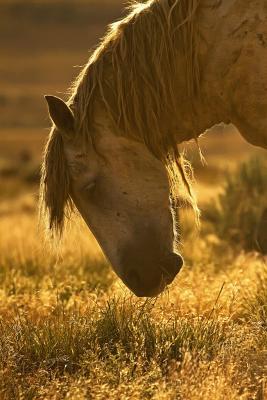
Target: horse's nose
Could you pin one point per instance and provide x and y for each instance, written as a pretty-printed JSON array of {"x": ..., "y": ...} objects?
[
  {"x": 148, "y": 278},
  {"x": 171, "y": 266},
  {"x": 175, "y": 262}
]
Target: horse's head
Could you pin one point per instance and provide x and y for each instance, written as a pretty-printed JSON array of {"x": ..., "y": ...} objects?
[{"x": 122, "y": 192}]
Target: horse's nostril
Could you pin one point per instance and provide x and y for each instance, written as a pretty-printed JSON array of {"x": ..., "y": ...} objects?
[
  {"x": 179, "y": 261},
  {"x": 176, "y": 262}
]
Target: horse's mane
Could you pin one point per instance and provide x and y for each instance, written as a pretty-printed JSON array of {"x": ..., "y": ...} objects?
[{"x": 132, "y": 74}]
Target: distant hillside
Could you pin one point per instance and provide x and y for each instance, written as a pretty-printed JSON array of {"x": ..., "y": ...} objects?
[
  {"x": 81, "y": 12},
  {"x": 42, "y": 43}
]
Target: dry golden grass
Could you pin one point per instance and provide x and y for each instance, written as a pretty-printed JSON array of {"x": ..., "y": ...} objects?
[{"x": 70, "y": 329}]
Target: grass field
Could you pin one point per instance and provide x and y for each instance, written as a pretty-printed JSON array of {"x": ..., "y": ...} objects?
[{"x": 69, "y": 329}]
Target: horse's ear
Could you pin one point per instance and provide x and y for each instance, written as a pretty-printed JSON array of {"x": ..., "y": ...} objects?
[{"x": 61, "y": 114}]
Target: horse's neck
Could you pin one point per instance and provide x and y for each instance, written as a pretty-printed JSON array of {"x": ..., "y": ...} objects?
[{"x": 215, "y": 54}]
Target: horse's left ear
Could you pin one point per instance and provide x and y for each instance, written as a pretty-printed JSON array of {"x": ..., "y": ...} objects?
[{"x": 61, "y": 114}]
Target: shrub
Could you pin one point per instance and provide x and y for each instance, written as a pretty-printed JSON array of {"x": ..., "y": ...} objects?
[{"x": 238, "y": 212}]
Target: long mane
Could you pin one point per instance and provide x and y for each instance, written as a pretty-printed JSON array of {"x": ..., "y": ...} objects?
[{"x": 132, "y": 73}]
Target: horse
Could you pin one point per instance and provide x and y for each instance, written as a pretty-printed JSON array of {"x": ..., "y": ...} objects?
[{"x": 164, "y": 74}]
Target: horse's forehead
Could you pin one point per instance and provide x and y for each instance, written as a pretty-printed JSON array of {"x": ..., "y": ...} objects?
[
  {"x": 75, "y": 152},
  {"x": 77, "y": 155},
  {"x": 117, "y": 144}
]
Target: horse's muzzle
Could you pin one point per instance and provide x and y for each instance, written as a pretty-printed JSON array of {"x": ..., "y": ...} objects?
[{"x": 151, "y": 282}]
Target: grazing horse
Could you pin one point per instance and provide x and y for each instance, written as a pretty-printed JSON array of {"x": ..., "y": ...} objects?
[{"x": 164, "y": 74}]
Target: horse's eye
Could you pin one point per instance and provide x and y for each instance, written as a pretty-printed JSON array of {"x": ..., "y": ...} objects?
[{"x": 89, "y": 187}]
